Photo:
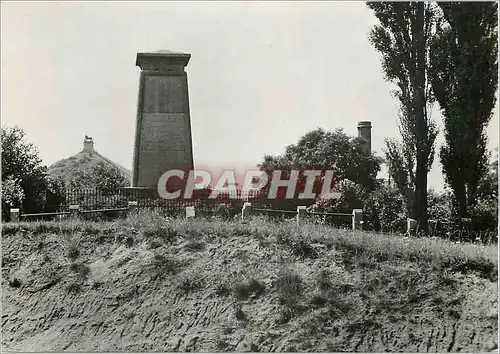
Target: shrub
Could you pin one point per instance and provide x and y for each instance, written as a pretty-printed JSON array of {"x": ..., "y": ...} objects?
[
  {"x": 238, "y": 313},
  {"x": 485, "y": 215},
  {"x": 96, "y": 285},
  {"x": 195, "y": 245},
  {"x": 10, "y": 229},
  {"x": 74, "y": 288},
  {"x": 221, "y": 344},
  {"x": 73, "y": 252},
  {"x": 227, "y": 211},
  {"x": 15, "y": 283},
  {"x": 301, "y": 248},
  {"x": 439, "y": 205},
  {"x": 12, "y": 196},
  {"x": 164, "y": 266},
  {"x": 290, "y": 287},
  {"x": 81, "y": 270},
  {"x": 102, "y": 175},
  {"x": 352, "y": 197},
  {"x": 23, "y": 175},
  {"x": 91, "y": 229},
  {"x": 165, "y": 232},
  {"x": 191, "y": 283},
  {"x": 129, "y": 241},
  {"x": 484, "y": 218},
  {"x": 45, "y": 228},
  {"x": 323, "y": 281},
  {"x": 384, "y": 210},
  {"x": 222, "y": 290},
  {"x": 243, "y": 290}
]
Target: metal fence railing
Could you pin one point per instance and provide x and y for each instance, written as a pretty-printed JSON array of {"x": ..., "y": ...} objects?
[
  {"x": 104, "y": 201},
  {"x": 102, "y": 204},
  {"x": 340, "y": 220},
  {"x": 146, "y": 197}
]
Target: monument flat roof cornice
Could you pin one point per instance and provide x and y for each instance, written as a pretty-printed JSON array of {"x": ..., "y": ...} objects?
[
  {"x": 164, "y": 56},
  {"x": 164, "y": 52}
]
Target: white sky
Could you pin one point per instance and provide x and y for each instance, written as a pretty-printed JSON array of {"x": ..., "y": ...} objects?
[{"x": 261, "y": 75}]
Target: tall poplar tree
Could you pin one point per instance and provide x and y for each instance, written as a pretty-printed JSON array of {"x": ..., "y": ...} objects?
[
  {"x": 403, "y": 38},
  {"x": 464, "y": 77}
]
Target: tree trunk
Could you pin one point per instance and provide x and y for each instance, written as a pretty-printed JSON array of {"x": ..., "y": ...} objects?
[
  {"x": 420, "y": 122},
  {"x": 461, "y": 199}
]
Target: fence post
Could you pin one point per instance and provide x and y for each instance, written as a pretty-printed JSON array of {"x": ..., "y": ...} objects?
[
  {"x": 246, "y": 211},
  {"x": 132, "y": 207},
  {"x": 357, "y": 219},
  {"x": 301, "y": 214},
  {"x": 466, "y": 221},
  {"x": 14, "y": 214},
  {"x": 432, "y": 226},
  {"x": 190, "y": 212},
  {"x": 467, "y": 224},
  {"x": 74, "y": 210},
  {"x": 411, "y": 226}
]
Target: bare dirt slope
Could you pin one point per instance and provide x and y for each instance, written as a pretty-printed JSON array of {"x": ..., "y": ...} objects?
[{"x": 151, "y": 285}]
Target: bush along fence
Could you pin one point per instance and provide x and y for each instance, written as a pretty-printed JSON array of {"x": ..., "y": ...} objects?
[
  {"x": 230, "y": 211},
  {"x": 107, "y": 204},
  {"x": 99, "y": 198},
  {"x": 225, "y": 204},
  {"x": 145, "y": 197},
  {"x": 302, "y": 215},
  {"x": 100, "y": 205}
]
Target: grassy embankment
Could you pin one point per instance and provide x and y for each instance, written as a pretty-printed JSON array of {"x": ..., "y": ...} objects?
[{"x": 146, "y": 283}]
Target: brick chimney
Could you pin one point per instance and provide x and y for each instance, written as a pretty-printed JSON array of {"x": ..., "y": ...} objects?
[
  {"x": 365, "y": 132},
  {"x": 88, "y": 144}
]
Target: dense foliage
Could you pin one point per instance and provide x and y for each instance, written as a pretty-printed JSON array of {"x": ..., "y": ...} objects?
[
  {"x": 103, "y": 176},
  {"x": 23, "y": 175},
  {"x": 464, "y": 76},
  {"x": 26, "y": 184},
  {"x": 402, "y": 36},
  {"x": 322, "y": 151}
]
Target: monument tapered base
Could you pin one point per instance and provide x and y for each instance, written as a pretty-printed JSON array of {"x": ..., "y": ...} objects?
[{"x": 163, "y": 129}]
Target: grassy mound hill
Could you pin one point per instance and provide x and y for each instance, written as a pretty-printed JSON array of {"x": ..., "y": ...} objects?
[
  {"x": 84, "y": 160},
  {"x": 150, "y": 284}
]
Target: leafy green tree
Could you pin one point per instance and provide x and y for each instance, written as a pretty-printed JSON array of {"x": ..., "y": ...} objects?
[
  {"x": 400, "y": 158},
  {"x": 101, "y": 176},
  {"x": 324, "y": 150},
  {"x": 464, "y": 77},
  {"x": 96, "y": 187},
  {"x": 383, "y": 210},
  {"x": 12, "y": 196},
  {"x": 22, "y": 168},
  {"x": 488, "y": 186},
  {"x": 55, "y": 195},
  {"x": 327, "y": 150},
  {"x": 485, "y": 209},
  {"x": 403, "y": 37}
]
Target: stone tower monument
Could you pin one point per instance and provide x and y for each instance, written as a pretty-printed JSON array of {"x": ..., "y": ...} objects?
[
  {"x": 163, "y": 129},
  {"x": 365, "y": 132},
  {"x": 88, "y": 144}
]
